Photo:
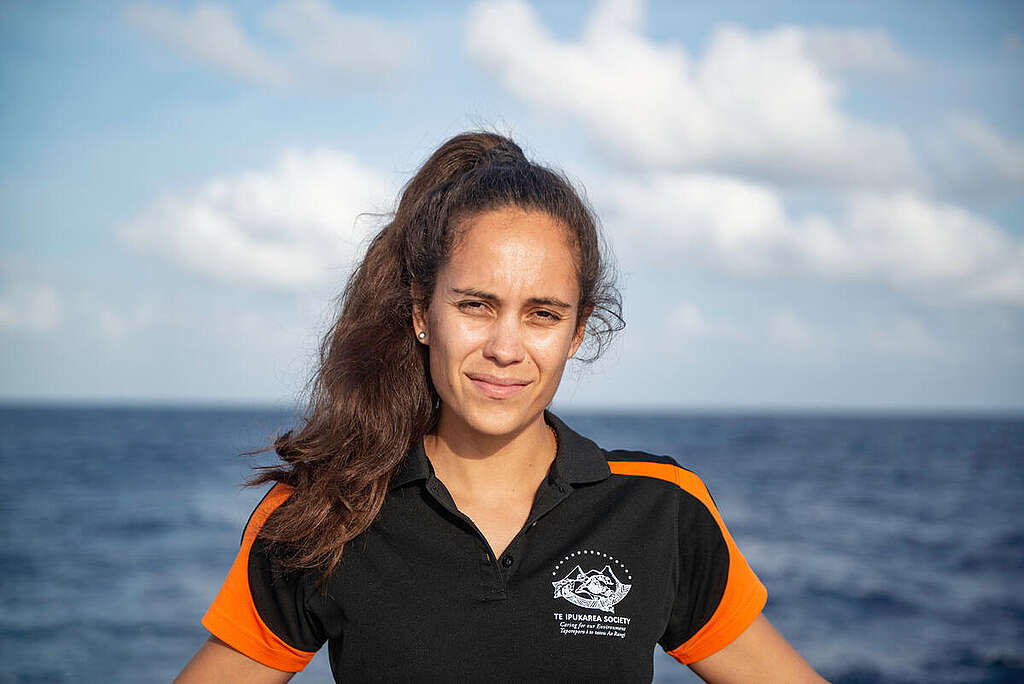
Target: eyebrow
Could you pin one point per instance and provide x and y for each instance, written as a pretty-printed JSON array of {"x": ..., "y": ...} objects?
[{"x": 541, "y": 301}]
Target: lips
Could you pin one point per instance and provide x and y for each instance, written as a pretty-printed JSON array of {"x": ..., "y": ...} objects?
[{"x": 497, "y": 387}]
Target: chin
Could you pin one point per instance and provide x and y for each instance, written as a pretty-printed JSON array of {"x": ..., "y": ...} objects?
[{"x": 499, "y": 419}]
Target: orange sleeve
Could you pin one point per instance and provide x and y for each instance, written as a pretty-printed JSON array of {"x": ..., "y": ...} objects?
[
  {"x": 233, "y": 618},
  {"x": 744, "y": 596}
]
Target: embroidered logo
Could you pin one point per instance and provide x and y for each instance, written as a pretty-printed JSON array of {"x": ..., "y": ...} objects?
[{"x": 598, "y": 586}]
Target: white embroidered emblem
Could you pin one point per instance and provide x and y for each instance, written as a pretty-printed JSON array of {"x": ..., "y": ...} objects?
[{"x": 593, "y": 587}]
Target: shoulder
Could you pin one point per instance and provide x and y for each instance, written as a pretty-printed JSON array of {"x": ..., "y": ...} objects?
[
  {"x": 719, "y": 595},
  {"x": 253, "y": 612},
  {"x": 660, "y": 469},
  {"x": 270, "y": 502}
]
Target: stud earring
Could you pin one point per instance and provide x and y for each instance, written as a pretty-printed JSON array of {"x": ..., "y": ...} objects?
[{"x": 422, "y": 335}]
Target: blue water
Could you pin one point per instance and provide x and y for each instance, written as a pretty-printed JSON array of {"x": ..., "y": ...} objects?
[{"x": 892, "y": 547}]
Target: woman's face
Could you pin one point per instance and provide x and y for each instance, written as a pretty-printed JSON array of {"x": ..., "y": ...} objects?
[{"x": 502, "y": 321}]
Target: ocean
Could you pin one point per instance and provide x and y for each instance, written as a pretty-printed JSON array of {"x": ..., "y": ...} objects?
[{"x": 892, "y": 546}]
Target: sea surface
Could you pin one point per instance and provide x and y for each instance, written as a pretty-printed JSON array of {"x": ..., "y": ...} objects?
[{"x": 892, "y": 546}]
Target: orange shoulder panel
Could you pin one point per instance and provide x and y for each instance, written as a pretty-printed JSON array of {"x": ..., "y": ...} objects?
[
  {"x": 744, "y": 596},
  {"x": 233, "y": 617}
]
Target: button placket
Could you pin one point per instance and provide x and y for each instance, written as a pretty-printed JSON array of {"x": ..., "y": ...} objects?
[
  {"x": 491, "y": 582},
  {"x": 554, "y": 492},
  {"x": 495, "y": 572}
]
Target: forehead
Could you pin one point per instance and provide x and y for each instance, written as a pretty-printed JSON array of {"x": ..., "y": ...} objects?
[{"x": 514, "y": 250}]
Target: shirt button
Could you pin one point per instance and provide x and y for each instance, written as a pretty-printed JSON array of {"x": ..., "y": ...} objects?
[{"x": 507, "y": 561}]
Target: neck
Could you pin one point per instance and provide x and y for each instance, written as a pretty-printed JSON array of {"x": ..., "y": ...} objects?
[{"x": 493, "y": 466}]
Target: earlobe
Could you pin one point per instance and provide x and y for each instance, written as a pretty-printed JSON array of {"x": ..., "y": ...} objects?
[{"x": 419, "y": 324}]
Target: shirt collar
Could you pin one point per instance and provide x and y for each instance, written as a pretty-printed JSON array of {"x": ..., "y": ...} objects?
[{"x": 577, "y": 461}]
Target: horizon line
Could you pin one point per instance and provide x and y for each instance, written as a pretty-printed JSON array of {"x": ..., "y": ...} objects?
[{"x": 780, "y": 409}]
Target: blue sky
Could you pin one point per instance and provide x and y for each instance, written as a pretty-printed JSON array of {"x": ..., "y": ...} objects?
[{"x": 813, "y": 205}]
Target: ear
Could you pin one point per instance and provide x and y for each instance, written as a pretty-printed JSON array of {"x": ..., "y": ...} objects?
[
  {"x": 581, "y": 329},
  {"x": 419, "y": 313}
]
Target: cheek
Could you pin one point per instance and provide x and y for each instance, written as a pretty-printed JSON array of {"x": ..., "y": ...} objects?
[
  {"x": 452, "y": 344},
  {"x": 551, "y": 350}
]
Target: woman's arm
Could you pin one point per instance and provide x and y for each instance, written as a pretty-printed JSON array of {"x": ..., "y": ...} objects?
[
  {"x": 760, "y": 654},
  {"x": 216, "y": 662}
]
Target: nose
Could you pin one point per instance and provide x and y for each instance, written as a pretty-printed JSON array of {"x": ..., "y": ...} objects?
[{"x": 505, "y": 343}]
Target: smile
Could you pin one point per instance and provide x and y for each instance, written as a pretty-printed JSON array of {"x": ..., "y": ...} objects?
[{"x": 498, "y": 388}]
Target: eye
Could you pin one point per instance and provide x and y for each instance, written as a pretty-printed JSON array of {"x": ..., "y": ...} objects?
[
  {"x": 547, "y": 316},
  {"x": 472, "y": 306}
]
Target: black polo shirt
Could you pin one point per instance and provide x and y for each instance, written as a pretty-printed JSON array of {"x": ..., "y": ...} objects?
[{"x": 622, "y": 550}]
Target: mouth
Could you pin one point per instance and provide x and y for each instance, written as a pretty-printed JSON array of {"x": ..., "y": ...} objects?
[{"x": 497, "y": 388}]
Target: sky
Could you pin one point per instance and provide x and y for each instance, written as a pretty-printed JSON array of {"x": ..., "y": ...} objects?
[{"x": 813, "y": 206}]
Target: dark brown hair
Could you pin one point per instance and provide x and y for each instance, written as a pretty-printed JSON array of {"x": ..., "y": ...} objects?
[{"x": 371, "y": 398}]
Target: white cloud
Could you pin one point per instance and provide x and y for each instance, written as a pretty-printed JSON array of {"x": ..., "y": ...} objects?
[
  {"x": 209, "y": 33},
  {"x": 288, "y": 228},
  {"x": 336, "y": 44},
  {"x": 858, "y": 50},
  {"x": 317, "y": 43},
  {"x": 731, "y": 224},
  {"x": 973, "y": 160},
  {"x": 905, "y": 239},
  {"x": 30, "y": 307},
  {"x": 688, "y": 321},
  {"x": 754, "y": 103},
  {"x": 1007, "y": 156},
  {"x": 901, "y": 239}
]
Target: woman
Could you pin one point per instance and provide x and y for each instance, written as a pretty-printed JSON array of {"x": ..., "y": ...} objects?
[{"x": 433, "y": 521}]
